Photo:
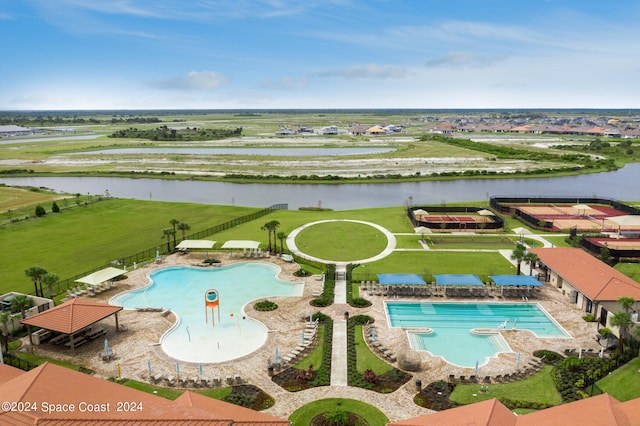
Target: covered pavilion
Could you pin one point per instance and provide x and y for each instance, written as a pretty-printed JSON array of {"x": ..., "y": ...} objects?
[
  {"x": 252, "y": 246},
  {"x": 458, "y": 280},
  {"x": 72, "y": 319},
  {"x": 195, "y": 244},
  {"x": 515, "y": 281},
  {"x": 101, "y": 276}
]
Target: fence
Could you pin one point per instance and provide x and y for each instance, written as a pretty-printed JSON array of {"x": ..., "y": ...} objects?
[
  {"x": 18, "y": 362},
  {"x": 165, "y": 248}
]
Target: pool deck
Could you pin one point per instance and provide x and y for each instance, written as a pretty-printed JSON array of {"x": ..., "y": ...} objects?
[{"x": 139, "y": 345}]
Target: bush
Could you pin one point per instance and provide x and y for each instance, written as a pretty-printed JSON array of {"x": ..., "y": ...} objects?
[
  {"x": 265, "y": 305},
  {"x": 40, "y": 211},
  {"x": 55, "y": 208},
  {"x": 301, "y": 273},
  {"x": 589, "y": 318},
  {"x": 548, "y": 357},
  {"x": 211, "y": 260}
]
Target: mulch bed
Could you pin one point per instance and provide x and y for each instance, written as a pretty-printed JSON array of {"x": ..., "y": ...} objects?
[
  {"x": 291, "y": 380},
  {"x": 249, "y": 396},
  {"x": 352, "y": 420},
  {"x": 435, "y": 396}
]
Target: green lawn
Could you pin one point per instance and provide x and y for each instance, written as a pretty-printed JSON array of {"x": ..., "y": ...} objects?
[
  {"x": 314, "y": 358},
  {"x": 303, "y": 415},
  {"x": 631, "y": 270},
  {"x": 87, "y": 237},
  {"x": 341, "y": 241},
  {"x": 622, "y": 384},
  {"x": 538, "y": 388},
  {"x": 367, "y": 360},
  {"x": 428, "y": 263}
]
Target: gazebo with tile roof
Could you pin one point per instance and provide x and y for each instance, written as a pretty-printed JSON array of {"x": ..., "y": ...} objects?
[{"x": 72, "y": 317}]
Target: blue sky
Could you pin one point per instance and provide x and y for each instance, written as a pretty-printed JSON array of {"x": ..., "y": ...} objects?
[{"x": 135, "y": 54}]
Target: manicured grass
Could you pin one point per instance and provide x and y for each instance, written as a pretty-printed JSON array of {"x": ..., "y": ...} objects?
[
  {"x": 169, "y": 393},
  {"x": 341, "y": 241},
  {"x": 538, "y": 388},
  {"x": 303, "y": 415},
  {"x": 367, "y": 360},
  {"x": 632, "y": 270},
  {"x": 428, "y": 263},
  {"x": 315, "y": 356},
  {"x": 23, "y": 201},
  {"x": 408, "y": 241},
  {"x": 87, "y": 237},
  {"x": 622, "y": 384},
  {"x": 486, "y": 242}
]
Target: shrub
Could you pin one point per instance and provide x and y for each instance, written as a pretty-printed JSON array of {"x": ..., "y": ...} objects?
[
  {"x": 265, "y": 305},
  {"x": 548, "y": 357},
  {"x": 301, "y": 273},
  {"x": 370, "y": 377},
  {"x": 589, "y": 318},
  {"x": 55, "y": 208},
  {"x": 40, "y": 211},
  {"x": 211, "y": 260}
]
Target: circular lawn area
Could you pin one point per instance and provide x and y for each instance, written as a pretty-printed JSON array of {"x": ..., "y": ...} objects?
[
  {"x": 307, "y": 413},
  {"x": 341, "y": 241}
]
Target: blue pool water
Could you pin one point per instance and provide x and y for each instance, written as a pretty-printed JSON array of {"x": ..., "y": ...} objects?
[
  {"x": 182, "y": 290},
  {"x": 451, "y": 324}
]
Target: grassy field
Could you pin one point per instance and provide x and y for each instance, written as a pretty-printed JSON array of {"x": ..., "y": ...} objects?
[
  {"x": 341, "y": 241},
  {"x": 536, "y": 388},
  {"x": 622, "y": 384},
  {"x": 470, "y": 242},
  {"x": 303, "y": 415}
]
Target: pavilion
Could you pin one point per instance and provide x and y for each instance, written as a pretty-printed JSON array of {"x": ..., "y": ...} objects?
[
  {"x": 73, "y": 320},
  {"x": 252, "y": 246},
  {"x": 195, "y": 244}
]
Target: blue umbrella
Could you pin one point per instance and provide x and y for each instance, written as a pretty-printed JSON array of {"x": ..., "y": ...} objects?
[
  {"x": 373, "y": 335},
  {"x": 149, "y": 366},
  {"x": 277, "y": 355},
  {"x": 200, "y": 368},
  {"x": 178, "y": 366},
  {"x": 518, "y": 360},
  {"x": 476, "y": 369},
  {"x": 106, "y": 347},
  {"x": 302, "y": 336}
]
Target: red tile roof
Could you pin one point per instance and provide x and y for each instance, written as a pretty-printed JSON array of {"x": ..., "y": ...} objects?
[
  {"x": 241, "y": 415},
  {"x": 8, "y": 372},
  {"x": 485, "y": 413},
  {"x": 592, "y": 277},
  {"x": 72, "y": 316}
]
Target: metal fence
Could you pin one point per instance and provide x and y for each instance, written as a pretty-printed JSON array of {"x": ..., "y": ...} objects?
[{"x": 150, "y": 254}]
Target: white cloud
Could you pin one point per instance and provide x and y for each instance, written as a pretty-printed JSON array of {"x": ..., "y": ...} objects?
[
  {"x": 464, "y": 59},
  {"x": 286, "y": 83},
  {"x": 367, "y": 71},
  {"x": 194, "y": 80}
]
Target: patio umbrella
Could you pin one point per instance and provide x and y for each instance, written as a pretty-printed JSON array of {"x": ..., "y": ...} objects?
[
  {"x": 476, "y": 369},
  {"x": 277, "y": 361},
  {"x": 106, "y": 347},
  {"x": 373, "y": 335},
  {"x": 200, "y": 369},
  {"x": 518, "y": 361},
  {"x": 177, "y": 366},
  {"x": 601, "y": 352},
  {"x": 149, "y": 366},
  {"x": 580, "y": 353}
]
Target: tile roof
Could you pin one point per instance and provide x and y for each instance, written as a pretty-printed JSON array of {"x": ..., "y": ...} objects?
[
  {"x": 50, "y": 384},
  {"x": 594, "y": 278},
  {"x": 486, "y": 413},
  {"x": 240, "y": 415},
  {"x": 8, "y": 372},
  {"x": 72, "y": 316}
]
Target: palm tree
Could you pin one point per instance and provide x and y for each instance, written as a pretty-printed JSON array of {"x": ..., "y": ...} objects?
[
  {"x": 270, "y": 227},
  {"x": 622, "y": 320},
  {"x": 168, "y": 232},
  {"x": 274, "y": 227},
  {"x": 21, "y": 303},
  {"x": 49, "y": 280},
  {"x": 531, "y": 259},
  {"x": 281, "y": 237},
  {"x": 183, "y": 227},
  {"x": 518, "y": 255},
  {"x": 5, "y": 317},
  {"x": 36, "y": 273},
  {"x": 174, "y": 223}
]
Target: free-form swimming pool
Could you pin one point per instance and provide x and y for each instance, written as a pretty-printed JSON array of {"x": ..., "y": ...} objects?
[
  {"x": 451, "y": 327},
  {"x": 182, "y": 290}
]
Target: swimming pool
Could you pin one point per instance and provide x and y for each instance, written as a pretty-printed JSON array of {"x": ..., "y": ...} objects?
[
  {"x": 468, "y": 333},
  {"x": 182, "y": 289}
]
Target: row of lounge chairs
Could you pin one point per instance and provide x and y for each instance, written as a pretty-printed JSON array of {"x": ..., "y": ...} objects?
[
  {"x": 195, "y": 381},
  {"x": 309, "y": 334},
  {"x": 532, "y": 367},
  {"x": 89, "y": 290},
  {"x": 442, "y": 291},
  {"x": 371, "y": 337}
]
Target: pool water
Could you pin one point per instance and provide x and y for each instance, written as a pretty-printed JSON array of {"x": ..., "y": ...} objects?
[
  {"x": 182, "y": 289},
  {"x": 450, "y": 327}
]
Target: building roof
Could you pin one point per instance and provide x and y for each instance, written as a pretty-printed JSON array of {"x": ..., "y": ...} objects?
[
  {"x": 195, "y": 244},
  {"x": 241, "y": 415},
  {"x": 52, "y": 384},
  {"x": 486, "y": 413},
  {"x": 72, "y": 316},
  {"x": 241, "y": 244},
  {"x": 592, "y": 277},
  {"x": 603, "y": 410}
]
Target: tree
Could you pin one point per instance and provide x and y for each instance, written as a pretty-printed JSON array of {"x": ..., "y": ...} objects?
[
  {"x": 36, "y": 273},
  {"x": 5, "y": 317},
  {"x": 281, "y": 237},
  {"x": 270, "y": 227},
  {"x": 174, "y": 223},
  {"x": 40, "y": 211},
  {"x": 531, "y": 259},
  {"x": 49, "y": 280},
  {"x": 622, "y": 320},
  {"x": 274, "y": 227},
  {"x": 21, "y": 303},
  {"x": 518, "y": 255},
  {"x": 168, "y": 232},
  {"x": 55, "y": 208},
  {"x": 183, "y": 227}
]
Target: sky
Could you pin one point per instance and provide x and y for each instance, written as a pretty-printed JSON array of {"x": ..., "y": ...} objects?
[{"x": 272, "y": 54}]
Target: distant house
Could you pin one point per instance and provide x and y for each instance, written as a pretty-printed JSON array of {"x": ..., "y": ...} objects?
[
  {"x": 443, "y": 129},
  {"x": 376, "y": 131},
  {"x": 358, "y": 130},
  {"x": 328, "y": 130},
  {"x": 285, "y": 131},
  {"x": 589, "y": 283},
  {"x": 6, "y": 131}
]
